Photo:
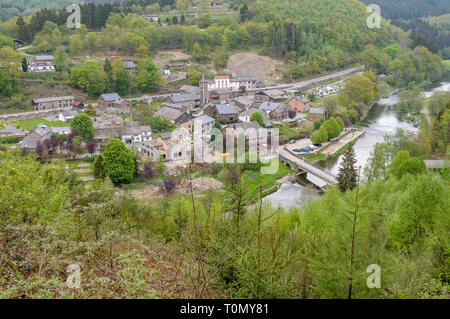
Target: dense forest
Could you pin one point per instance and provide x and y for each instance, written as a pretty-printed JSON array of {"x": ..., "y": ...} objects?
[
  {"x": 435, "y": 37},
  {"x": 409, "y": 9}
]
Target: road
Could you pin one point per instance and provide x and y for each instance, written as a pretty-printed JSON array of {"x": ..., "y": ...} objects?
[{"x": 303, "y": 84}]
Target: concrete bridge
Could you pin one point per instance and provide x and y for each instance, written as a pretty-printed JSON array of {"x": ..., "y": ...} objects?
[{"x": 315, "y": 174}]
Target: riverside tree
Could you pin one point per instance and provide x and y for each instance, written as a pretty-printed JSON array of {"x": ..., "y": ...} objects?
[{"x": 348, "y": 176}]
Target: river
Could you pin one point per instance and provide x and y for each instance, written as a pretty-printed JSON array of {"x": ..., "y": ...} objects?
[{"x": 382, "y": 120}]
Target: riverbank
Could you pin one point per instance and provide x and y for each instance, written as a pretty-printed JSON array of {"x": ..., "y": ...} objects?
[{"x": 337, "y": 147}]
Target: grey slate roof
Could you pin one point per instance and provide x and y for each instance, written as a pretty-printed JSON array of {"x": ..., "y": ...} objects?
[
  {"x": 269, "y": 106},
  {"x": 60, "y": 130},
  {"x": 172, "y": 105},
  {"x": 184, "y": 97},
  {"x": 54, "y": 99},
  {"x": 111, "y": 97},
  {"x": 226, "y": 109},
  {"x": 42, "y": 130},
  {"x": 315, "y": 110},
  {"x": 67, "y": 114},
  {"x": 29, "y": 143},
  {"x": 245, "y": 79},
  {"x": 129, "y": 64},
  {"x": 11, "y": 129},
  {"x": 244, "y": 125},
  {"x": 169, "y": 113},
  {"x": 203, "y": 120},
  {"x": 190, "y": 89},
  {"x": 44, "y": 57}
]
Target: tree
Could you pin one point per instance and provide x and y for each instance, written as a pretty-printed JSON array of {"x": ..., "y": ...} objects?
[
  {"x": 316, "y": 138},
  {"x": 107, "y": 67},
  {"x": 88, "y": 77},
  {"x": 377, "y": 165},
  {"x": 182, "y": 19},
  {"x": 359, "y": 89},
  {"x": 398, "y": 160},
  {"x": 24, "y": 65},
  {"x": 91, "y": 147},
  {"x": 204, "y": 21},
  {"x": 98, "y": 167},
  {"x": 330, "y": 106},
  {"x": 324, "y": 134},
  {"x": 292, "y": 114},
  {"x": 370, "y": 57},
  {"x": 194, "y": 76},
  {"x": 257, "y": 117},
  {"x": 61, "y": 60},
  {"x": 411, "y": 100},
  {"x": 148, "y": 78},
  {"x": 149, "y": 170},
  {"x": 90, "y": 110},
  {"x": 243, "y": 13},
  {"x": 118, "y": 163},
  {"x": 413, "y": 166},
  {"x": 82, "y": 123},
  {"x": 76, "y": 45},
  {"x": 348, "y": 175}
]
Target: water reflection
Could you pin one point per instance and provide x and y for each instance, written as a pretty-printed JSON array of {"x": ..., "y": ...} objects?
[
  {"x": 292, "y": 195},
  {"x": 382, "y": 119}
]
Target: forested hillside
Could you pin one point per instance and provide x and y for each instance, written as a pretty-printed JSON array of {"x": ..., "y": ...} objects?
[
  {"x": 408, "y": 9},
  {"x": 12, "y": 8}
]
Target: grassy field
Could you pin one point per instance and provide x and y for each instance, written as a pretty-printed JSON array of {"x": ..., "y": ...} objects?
[
  {"x": 31, "y": 124},
  {"x": 191, "y": 12}
]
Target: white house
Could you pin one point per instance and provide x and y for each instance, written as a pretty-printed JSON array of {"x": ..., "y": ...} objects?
[
  {"x": 153, "y": 18},
  {"x": 134, "y": 134},
  {"x": 67, "y": 116},
  {"x": 42, "y": 63},
  {"x": 225, "y": 82}
]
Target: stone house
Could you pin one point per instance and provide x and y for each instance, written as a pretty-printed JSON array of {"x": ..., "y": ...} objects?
[
  {"x": 275, "y": 111},
  {"x": 36, "y": 136},
  {"x": 176, "y": 117},
  {"x": 130, "y": 66},
  {"x": 270, "y": 96},
  {"x": 204, "y": 125},
  {"x": 113, "y": 100},
  {"x": 224, "y": 113},
  {"x": 50, "y": 103},
  {"x": 189, "y": 101},
  {"x": 299, "y": 104},
  {"x": 107, "y": 127}
]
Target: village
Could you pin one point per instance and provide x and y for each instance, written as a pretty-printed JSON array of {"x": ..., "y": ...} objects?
[{"x": 231, "y": 104}]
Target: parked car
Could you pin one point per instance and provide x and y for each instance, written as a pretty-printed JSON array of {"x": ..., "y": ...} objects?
[
  {"x": 305, "y": 149},
  {"x": 292, "y": 141}
]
